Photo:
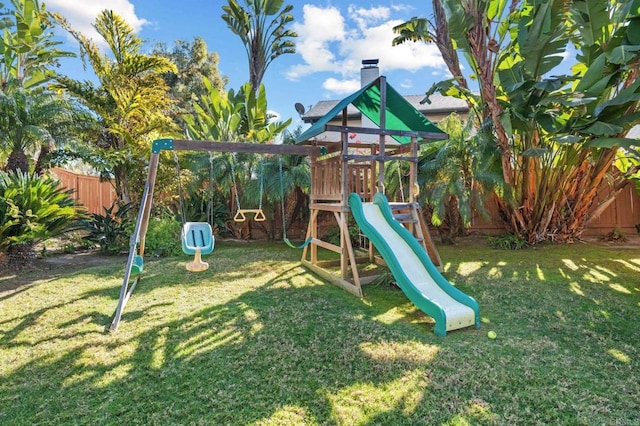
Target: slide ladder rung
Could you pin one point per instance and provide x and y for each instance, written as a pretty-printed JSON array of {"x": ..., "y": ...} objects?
[
  {"x": 401, "y": 206},
  {"x": 405, "y": 218}
]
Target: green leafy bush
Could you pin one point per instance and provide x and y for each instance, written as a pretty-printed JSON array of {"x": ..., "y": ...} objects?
[
  {"x": 111, "y": 229},
  {"x": 32, "y": 209},
  {"x": 508, "y": 242},
  {"x": 163, "y": 237},
  {"x": 332, "y": 235}
]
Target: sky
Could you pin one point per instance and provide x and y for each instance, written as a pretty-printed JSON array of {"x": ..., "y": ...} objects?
[{"x": 333, "y": 39}]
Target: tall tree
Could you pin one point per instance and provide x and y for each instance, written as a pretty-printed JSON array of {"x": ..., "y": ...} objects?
[
  {"x": 262, "y": 27},
  {"x": 131, "y": 99},
  {"x": 557, "y": 135},
  {"x": 193, "y": 62}
]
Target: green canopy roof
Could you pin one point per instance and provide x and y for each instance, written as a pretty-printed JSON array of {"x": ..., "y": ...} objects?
[{"x": 399, "y": 113}]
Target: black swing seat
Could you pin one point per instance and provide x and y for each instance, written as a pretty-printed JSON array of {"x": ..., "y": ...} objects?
[{"x": 197, "y": 235}]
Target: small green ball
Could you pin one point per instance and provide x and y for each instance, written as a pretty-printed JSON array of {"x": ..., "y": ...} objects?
[{"x": 492, "y": 335}]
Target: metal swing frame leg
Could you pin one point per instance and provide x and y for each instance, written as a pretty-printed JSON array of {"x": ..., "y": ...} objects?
[{"x": 136, "y": 242}]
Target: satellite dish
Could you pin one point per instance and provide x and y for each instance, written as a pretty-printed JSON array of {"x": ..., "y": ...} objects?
[{"x": 300, "y": 108}]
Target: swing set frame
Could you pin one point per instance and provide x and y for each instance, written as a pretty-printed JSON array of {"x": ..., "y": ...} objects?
[
  {"x": 134, "y": 268},
  {"x": 339, "y": 167}
]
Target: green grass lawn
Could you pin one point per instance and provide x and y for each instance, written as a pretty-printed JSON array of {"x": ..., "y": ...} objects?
[{"x": 257, "y": 339}]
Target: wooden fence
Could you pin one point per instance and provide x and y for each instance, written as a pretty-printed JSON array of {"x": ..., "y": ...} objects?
[
  {"x": 87, "y": 190},
  {"x": 623, "y": 214}
]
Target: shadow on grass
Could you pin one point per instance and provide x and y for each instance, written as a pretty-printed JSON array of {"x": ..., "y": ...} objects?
[
  {"x": 286, "y": 348},
  {"x": 282, "y": 349}
]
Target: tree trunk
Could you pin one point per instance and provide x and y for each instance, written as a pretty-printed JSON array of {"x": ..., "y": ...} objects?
[
  {"x": 17, "y": 160},
  {"x": 43, "y": 158}
]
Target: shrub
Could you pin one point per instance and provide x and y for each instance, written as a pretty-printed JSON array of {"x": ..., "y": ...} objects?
[
  {"x": 163, "y": 237},
  {"x": 111, "y": 229},
  {"x": 32, "y": 209},
  {"x": 332, "y": 235},
  {"x": 508, "y": 242}
]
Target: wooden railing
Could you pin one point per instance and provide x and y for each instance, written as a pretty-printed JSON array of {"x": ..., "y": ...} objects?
[
  {"x": 326, "y": 180},
  {"x": 327, "y": 185},
  {"x": 362, "y": 180}
]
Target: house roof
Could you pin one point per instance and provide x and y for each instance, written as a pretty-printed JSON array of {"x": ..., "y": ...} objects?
[
  {"x": 400, "y": 114},
  {"x": 439, "y": 104}
]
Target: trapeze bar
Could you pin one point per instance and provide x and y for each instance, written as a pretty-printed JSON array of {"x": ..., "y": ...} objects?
[{"x": 258, "y": 215}]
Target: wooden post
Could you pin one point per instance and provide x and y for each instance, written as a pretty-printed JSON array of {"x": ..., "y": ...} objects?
[
  {"x": 151, "y": 182},
  {"x": 343, "y": 221},
  {"x": 413, "y": 170},
  {"x": 383, "y": 126}
]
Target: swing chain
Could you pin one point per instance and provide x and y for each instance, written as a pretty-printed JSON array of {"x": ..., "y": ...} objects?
[
  {"x": 210, "y": 210},
  {"x": 400, "y": 182},
  {"x": 261, "y": 184},
  {"x": 182, "y": 212},
  {"x": 233, "y": 180},
  {"x": 284, "y": 222}
]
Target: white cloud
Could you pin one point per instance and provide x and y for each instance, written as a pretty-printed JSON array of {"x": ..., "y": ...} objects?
[
  {"x": 82, "y": 14},
  {"x": 375, "y": 42},
  {"x": 319, "y": 29},
  {"x": 330, "y": 41},
  {"x": 365, "y": 17},
  {"x": 341, "y": 87}
]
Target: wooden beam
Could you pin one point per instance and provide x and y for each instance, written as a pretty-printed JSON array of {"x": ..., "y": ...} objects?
[
  {"x": 389, "y": 132},
  {"x": 258, "y": 148},
  {"x": 378, "y": 158},
  {"x": 323, "y": 273}
]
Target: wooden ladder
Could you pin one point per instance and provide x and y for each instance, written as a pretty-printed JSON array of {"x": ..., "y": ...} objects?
[{"x": 410, "y": 215}]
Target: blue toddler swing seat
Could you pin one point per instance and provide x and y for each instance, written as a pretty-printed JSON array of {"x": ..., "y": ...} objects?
[{"x": 197, "y": 239}]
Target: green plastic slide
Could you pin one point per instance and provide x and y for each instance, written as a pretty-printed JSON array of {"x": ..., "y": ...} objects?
[{"x": 412, "y": 269}]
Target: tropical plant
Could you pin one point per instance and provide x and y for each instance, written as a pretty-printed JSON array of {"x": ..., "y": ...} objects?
[
  {"x": 33, "y": 122},
  {"x": 557, "y": 134},
  {"x": 163, "y": 236},
  {"x": 32, "y": 209},
  {"x": 110, "y": 230},
  {"x": 262, "y": 27},
  {"x": 286, "y": 181},
  {"x": 131, "y": 99},
  {"x": 28, "y": 52},
  {"x": 241, "y": 116},
  {"x": 457, "y": 175},
  {"x": 507, "y": 242}
]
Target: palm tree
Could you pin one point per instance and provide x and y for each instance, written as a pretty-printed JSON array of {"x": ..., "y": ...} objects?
[
  {"x": 457, "y": 175},
  {"x": 287, "y": 179},
  {"x": 32, "y": 122},
  {"x": 262, "y": 27},
  {"x": 131, "y": 99}
]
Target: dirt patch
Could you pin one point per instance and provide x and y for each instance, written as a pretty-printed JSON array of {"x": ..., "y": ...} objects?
[
  {"x": 629, "y": 242},
  {"x": 48, "y": 268}
]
